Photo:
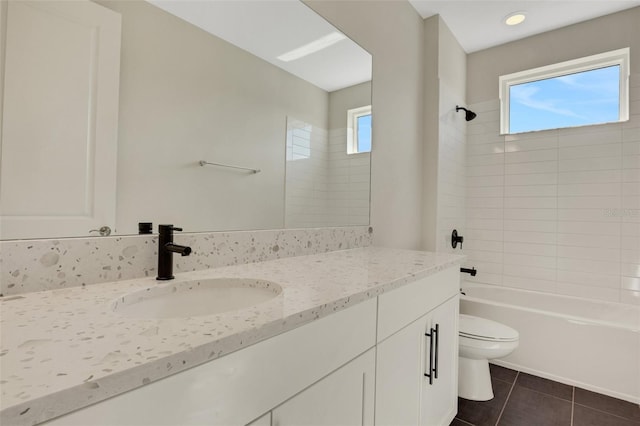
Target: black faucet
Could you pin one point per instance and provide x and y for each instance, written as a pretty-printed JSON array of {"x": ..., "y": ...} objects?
[{"x": 166, "y": 248}]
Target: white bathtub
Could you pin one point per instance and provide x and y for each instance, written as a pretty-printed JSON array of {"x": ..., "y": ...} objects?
[{"x": 585, "y": 343}]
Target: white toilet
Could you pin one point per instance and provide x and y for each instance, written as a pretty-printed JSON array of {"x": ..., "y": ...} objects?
[{"x": 481, "y": 340}]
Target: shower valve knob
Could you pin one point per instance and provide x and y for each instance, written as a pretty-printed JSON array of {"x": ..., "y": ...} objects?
[{"x": 455, "y": 239}]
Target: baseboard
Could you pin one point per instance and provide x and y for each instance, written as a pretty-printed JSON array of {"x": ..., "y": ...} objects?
[{"x": 631, "y": 398}]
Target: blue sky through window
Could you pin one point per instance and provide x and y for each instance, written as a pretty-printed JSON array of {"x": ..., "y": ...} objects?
[
  {"x": 364, "y": 133},
  {"x": 589, "y": 97}
]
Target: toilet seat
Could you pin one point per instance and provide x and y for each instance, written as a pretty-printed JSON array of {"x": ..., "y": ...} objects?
[{"x": 483, "y": 329}]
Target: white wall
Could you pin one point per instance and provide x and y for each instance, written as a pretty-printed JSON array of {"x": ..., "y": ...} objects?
[
  {"x": 340, "y": 101},
  {"x": 451, "y": 200},
  {"x": 445, "y": 137},
  {"x": 392, "y": 31},
  {"x": 555, "y": 210},
  {"x": 431, "y": 133}
]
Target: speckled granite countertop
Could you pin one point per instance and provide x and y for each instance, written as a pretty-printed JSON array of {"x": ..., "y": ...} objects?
[{"x": 61, "y": 350}]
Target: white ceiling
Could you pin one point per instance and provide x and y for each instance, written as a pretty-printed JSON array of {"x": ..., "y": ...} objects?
[
  {"x": 479, "y": 24},
  {"x": 268, "y": 28}
]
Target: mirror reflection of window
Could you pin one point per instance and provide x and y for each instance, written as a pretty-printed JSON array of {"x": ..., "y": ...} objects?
[{"x": 359, "y": 130}]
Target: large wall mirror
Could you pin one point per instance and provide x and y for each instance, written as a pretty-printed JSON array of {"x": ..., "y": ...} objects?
[{"x": 119, "y": 112}]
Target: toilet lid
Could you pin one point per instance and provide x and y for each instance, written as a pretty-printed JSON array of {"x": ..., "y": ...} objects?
[{"x": 484, "y": 329}]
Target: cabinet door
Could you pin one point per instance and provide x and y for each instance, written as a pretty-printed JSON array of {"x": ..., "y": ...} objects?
[
  {"x": 404, "y": 395},
  {"x": 262, "y": 421},
  {"x": 439, "y": 399},
  {"x": 345, "y": 397},
  {"x": 399, "y": 375}
]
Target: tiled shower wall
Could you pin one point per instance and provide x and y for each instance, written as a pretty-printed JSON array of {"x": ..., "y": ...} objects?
[
  {"x": 557, "y": 210},
  {"x": 325, "y": 186},
  {"x": 306, "y": 175},
  {"x": 349, "y": 177}
]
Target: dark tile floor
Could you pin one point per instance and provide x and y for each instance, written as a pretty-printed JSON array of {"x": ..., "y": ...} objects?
[{"x": 525, "y": 400}]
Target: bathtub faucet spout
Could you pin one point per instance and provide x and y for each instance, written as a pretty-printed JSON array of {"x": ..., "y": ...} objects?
[{"x": 471, "y": 271}]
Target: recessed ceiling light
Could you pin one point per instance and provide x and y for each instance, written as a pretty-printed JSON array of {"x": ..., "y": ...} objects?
[
  {"x": 515, "y": 18},
  {"x": 314, "y": 46}
]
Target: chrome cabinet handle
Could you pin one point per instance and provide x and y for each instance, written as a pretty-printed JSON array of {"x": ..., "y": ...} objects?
[{"x": 104, "y": 231}]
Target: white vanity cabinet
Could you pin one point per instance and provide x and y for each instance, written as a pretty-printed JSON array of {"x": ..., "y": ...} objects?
[
  {"x": 240, "y": 387},
  {"x": 362, "y": 362},
  {"x": 410, "y": 350},
  {"x": 345, "y": 397}
]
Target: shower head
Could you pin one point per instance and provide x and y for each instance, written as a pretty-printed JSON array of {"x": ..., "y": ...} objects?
[{"x": 468, "y": 115}]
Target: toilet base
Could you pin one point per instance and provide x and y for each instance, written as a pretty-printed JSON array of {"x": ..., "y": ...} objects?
[{"x": 474, "y": 379}]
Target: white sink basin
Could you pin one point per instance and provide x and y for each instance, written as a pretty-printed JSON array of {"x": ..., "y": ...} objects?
[{"x": 196, "y": 298}]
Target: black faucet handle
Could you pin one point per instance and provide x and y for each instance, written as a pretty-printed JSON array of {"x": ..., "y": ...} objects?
[
  {"x": 168, "y": 228},
  {"x": 456, "y": 239}
]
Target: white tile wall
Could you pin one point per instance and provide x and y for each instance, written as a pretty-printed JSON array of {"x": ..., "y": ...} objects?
[
  {"x": 306, "y": 175},
  {"x": 556, "y": 210},
  {"x": 325, "y": 186},
  {"x": 349, "y": 188}
]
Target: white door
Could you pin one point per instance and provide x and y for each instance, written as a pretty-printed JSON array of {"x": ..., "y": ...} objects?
[
  {"x": 344, "y": 398},
  {"x": 59, "y": 118}
]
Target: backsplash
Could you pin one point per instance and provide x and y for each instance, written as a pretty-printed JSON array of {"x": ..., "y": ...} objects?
[{"x": 36, "y": 265}]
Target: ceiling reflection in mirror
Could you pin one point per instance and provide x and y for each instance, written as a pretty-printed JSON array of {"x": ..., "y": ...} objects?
[{"x": 263, "y": 86}]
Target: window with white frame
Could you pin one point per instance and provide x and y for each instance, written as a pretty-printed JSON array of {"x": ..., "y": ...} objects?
[
  {"x": 359, "y": 130},
  {"x": 580, "y": 92}
]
